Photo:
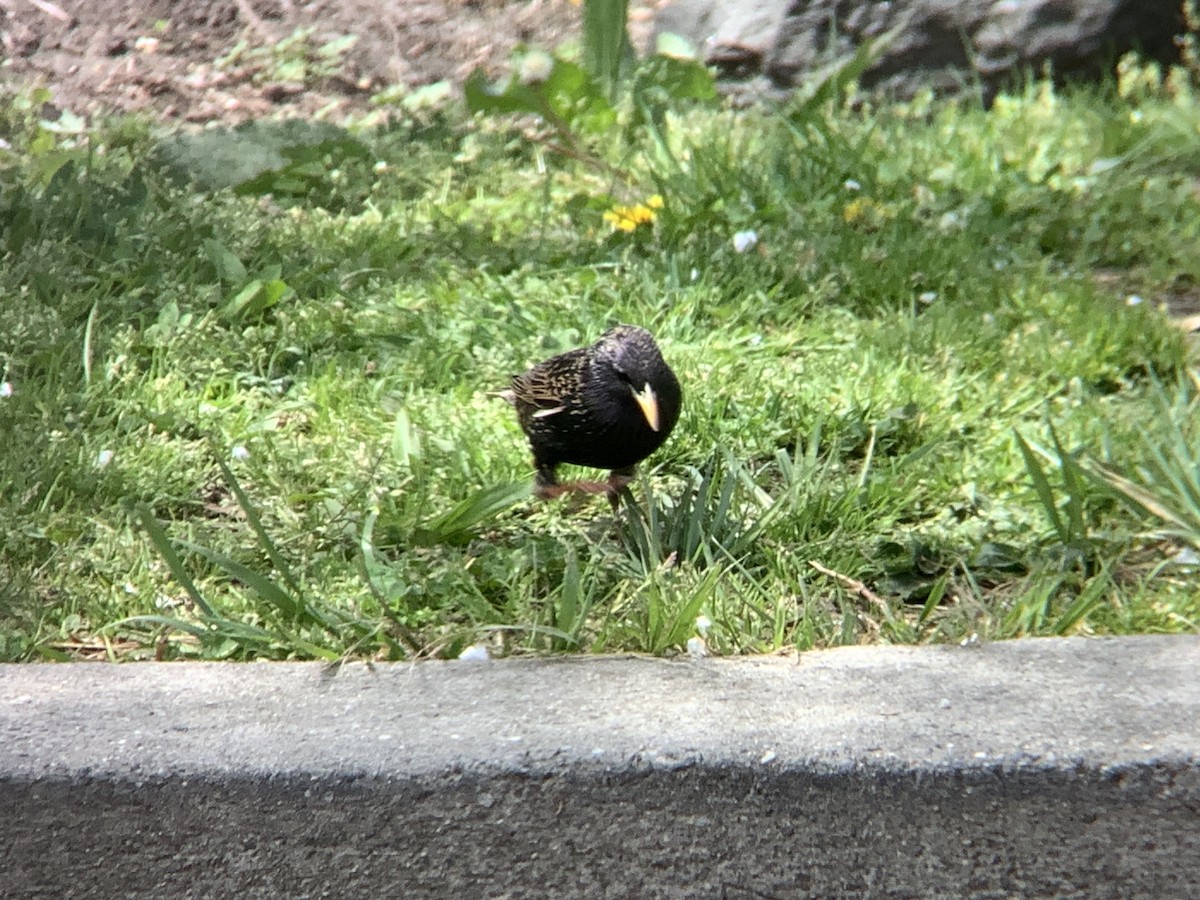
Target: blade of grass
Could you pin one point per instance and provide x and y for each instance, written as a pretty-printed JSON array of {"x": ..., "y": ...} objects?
[
  {"x": 162, "y": 543},
  {"x": 936, "y": 592},
  {"x": 456, "y": 525},
  {"x": 256, "y": 525},
  {"x": 262, "y": 586},
  {"x": 1087, "y": 600},
  {"x": 1073, "y": 485},
  {"x": 1041, "y": 486},
  {"x": 573, "y": 605}
]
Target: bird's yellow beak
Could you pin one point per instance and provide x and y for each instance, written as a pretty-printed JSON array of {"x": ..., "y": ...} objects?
[{"x": 649, "y": 403}]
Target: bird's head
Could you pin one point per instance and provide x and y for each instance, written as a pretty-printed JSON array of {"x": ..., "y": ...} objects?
[{"x": 628, "y": 362}]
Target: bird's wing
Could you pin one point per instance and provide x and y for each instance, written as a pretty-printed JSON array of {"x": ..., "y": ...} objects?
[{"x": 550, "y": 387}]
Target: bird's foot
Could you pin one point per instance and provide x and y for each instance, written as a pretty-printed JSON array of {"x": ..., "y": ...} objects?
[
  {"x": 611, "y": 489},
  {"x": 551, "y": 491},
  {"x": 617, "y": 482}
]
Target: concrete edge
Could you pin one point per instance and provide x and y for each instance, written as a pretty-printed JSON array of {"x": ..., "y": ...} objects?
[{"x": 1046, "y": 766}]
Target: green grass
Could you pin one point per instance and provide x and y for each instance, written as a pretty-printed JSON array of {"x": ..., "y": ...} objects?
[{"x": 255, "y": 421}]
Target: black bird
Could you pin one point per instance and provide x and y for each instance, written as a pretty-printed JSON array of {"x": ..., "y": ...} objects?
[{"x": 607, "y": 406}]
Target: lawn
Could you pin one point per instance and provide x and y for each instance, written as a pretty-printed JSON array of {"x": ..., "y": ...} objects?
[{"x": 930, "y": 395}]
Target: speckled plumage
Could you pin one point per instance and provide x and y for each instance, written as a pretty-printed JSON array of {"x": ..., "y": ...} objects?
[{"x": 607, "y": 406}]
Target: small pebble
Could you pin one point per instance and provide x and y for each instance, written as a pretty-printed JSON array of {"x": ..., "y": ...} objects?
[{"x": 476, "y": 653}]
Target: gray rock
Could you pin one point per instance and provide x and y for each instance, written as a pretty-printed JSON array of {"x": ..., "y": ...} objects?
[{"x": 943, "y": 44}]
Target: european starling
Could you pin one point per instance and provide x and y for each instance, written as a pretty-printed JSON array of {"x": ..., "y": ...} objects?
[{"x": 607, "y": 406}]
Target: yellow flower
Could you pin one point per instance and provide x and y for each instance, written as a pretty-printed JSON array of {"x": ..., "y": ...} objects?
[
  {"x": 628, "y": 218},
  {"x": 867, "y": 213}
]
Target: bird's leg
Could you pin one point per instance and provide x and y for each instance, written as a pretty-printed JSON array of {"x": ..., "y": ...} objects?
[
  {"x": 618, "y": 480},
  {"x": 572, "y": 487},
  {"x": 545, "y": 485}
]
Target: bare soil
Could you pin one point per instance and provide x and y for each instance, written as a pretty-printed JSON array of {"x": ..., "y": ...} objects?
[{"x": 200, "y": 61}]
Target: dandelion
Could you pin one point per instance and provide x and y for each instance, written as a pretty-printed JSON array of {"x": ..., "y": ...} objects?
[
  {"x": 744, "y": 240},
  {"x": 867, "y": 213},
  {"x": 855, "y": 210},
  {"x": 629, "y": 218},
  {"x": 535, "y": 67}
]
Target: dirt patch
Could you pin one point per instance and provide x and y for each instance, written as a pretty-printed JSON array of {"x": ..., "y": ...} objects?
[{"x": 229, "y": 60}]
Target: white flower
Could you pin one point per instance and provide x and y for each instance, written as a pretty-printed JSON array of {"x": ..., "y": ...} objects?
[
  {"x": 1134, "y": 300},
  {"x": 535, "y": 67},
  {"x": 952, "y": 220},
  {"x": 744, "y": 240},
  {"x": 6, "y": 389},
  {"x": 239, "y": 452},
  {"x": 851, "y": 185},
  {"x": 927, "y": 296},
  {"x": 703, "y": 623},
  {"x": 696, "y": 648},
  {"x": 695, "y": 274},
  {"x": 103, "y": 458}
]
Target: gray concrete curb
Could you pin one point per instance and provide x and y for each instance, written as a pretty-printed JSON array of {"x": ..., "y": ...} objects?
[{"x": 1041, "y": 767}]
